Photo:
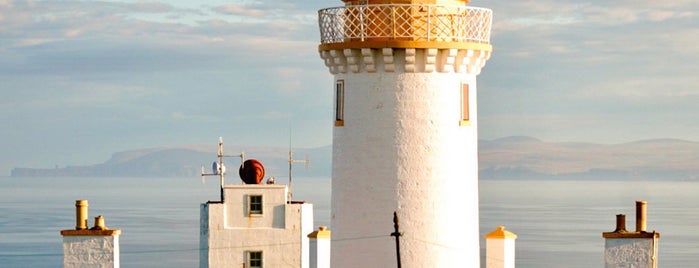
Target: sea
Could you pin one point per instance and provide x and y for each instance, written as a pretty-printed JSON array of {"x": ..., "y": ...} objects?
[{"x": 558, "y": 223}]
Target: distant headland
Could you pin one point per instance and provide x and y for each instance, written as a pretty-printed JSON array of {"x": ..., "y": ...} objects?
[
  {"x": 187, "y": 161},
  {"x": 516, "y": 157}
]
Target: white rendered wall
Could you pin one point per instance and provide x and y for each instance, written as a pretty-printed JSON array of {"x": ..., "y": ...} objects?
[
  {"x": 227, "y": 232},
  {"x": 630, "y": 252},
  {"x": 500, "y": 253},
  {"x": 91, "y": 251},
  {"x": 402, "y": 149},
  {"x": 274, "y": 203}
]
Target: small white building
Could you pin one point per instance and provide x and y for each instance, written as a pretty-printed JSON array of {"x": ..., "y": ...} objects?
[{"x": 255, "y": 226}]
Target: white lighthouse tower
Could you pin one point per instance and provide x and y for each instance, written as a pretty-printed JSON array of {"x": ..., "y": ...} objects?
[{"x": 406, "y": 130}]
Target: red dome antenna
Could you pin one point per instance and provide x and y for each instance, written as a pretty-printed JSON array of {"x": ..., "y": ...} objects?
[{"x": 251, "y": 171}]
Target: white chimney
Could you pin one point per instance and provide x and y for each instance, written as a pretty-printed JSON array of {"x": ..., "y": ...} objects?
[
  {"x": 94, "y": 247},
  {"x": 500, "y": 248},
  {"x": 623, "y": 248}
]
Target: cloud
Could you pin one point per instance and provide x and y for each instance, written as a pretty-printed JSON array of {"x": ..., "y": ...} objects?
[
  {"x": 561, "y": 14},
  {"x": 135, "y": 72},
  {"x": 34, "y": 23},
  {"x": 240, "y": 10},
  {"x": 626, "y": 58},
  {"x": 640, "y": 87},
  {"x": 61, "y": 94}
]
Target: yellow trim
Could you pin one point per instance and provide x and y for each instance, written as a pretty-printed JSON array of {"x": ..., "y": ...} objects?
[
  {"x": 374, "y": 2},
  {"x": 90, "y": 232},
  {"x": 464, "y": 123},
  {"x": 500, "y": 233},
  {"x": 405, "y": 44},
  {"x": 653, "y": 234},
  {"x": 339, "y": 123},
  {"x": 322, "y": 232}
]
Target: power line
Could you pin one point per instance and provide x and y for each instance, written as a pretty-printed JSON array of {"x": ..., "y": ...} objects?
[{"x": 175, "y": 250}]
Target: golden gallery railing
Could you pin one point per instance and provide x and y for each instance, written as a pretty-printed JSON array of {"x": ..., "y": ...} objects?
[{"x": 405, "y": 22}]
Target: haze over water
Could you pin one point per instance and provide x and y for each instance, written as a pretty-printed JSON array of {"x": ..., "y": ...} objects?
[{"x": 558, "y": 223}]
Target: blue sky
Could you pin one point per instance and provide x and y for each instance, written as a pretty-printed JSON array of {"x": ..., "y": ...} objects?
[{"x": 80, "y": 80}]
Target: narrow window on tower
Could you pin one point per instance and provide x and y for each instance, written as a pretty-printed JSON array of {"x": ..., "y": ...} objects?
[
  {"x": 340, "y": 103},
  {"x": 465, "y": 113},
  {"x": 254, "y": 205},
  {"x": 254, "y": 259}
]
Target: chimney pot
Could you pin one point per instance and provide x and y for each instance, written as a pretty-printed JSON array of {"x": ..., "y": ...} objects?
[
  {"x": 81, "y": 214},
  {"x": 620, "y": 223},
  {"x": 99, "y": 223},
  {"x": 641, "y": 210}
]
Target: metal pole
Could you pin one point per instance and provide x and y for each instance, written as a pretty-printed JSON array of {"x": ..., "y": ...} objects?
[
  {"x": 220, "y": 165},
  {"x": 397, "y": 234},
  {"x": 291, "y": 162}
]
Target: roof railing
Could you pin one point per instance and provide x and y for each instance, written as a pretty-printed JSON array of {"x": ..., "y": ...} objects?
[{"x": 405, "y": 22}]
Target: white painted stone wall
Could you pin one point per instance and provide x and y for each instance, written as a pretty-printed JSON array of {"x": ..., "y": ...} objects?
[
  {"x": 630, "y": 252},
  {"x": 274, "y": 203},
  {"x": 320, "y": 253},
  {"x": 500, "y": 253},
  {"x": 228, "y": 232},
  {"x": 83, "y": 251},
  {"x": 402, "y": 149}
]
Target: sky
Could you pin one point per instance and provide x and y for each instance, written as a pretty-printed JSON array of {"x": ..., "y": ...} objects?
[{"x": 80, "y": 80}]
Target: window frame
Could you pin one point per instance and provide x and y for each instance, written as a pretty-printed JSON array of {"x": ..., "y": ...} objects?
[
  {"x": 339, "y": 103},
  {"x": 255, "y": 259},
  {"x": 465, "y": 111},
  {"x": 252, "y": 203}
]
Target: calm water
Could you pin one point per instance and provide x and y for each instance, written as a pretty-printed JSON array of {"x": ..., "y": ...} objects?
[{"x": 559, "y": 223}]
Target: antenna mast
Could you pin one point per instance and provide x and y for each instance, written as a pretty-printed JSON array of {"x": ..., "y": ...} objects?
[
  {"x": 306, "y": 161},
  {"x": 218, "y": 168}
]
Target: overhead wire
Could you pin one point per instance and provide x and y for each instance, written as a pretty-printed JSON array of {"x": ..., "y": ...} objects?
[{"x": 173, "y": 250}]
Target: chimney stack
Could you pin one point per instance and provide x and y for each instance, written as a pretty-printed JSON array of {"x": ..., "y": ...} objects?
[
  {"x": 90, "y": 247},
  {"x": 500, "y": 248},
  {"x": 631, "y": 249}
]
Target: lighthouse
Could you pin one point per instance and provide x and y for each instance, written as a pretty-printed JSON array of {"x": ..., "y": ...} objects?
[{"x": 405, "y": 135}]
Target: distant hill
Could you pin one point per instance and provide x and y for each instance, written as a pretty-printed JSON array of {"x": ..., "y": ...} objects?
[
  {"x": 517, "y": 157},
  {"x": 525, "y": 157},
  {"x": 187, "y": 162}
]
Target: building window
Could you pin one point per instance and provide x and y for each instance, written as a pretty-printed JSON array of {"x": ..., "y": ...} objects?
[
  {"x": 255, "y": 205},
  {"x": 255, "y": 259},
  {"x": 465, "y": 113},
  {"x": 340, "y": 103}
]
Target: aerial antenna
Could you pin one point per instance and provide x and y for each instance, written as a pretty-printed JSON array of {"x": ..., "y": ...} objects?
[
  {"x": 306, "y": 161},
  {"x": 218, "y": 168}
]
